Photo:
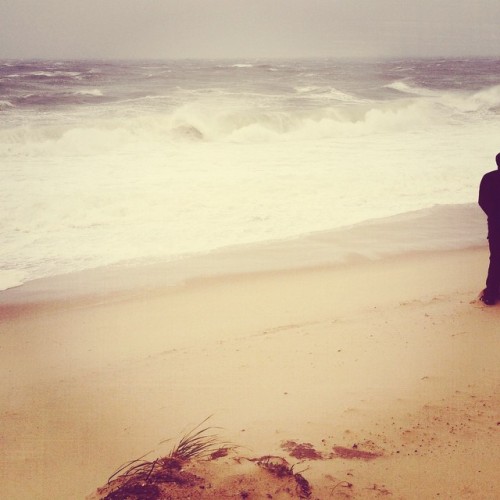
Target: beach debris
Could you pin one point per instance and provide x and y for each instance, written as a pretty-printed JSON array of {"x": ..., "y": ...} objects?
[
  {"x": 301, "y": 450},
  {"x": 219, "y": 453},
  {"x": 135, "y": 491},
  {"x": 280, "y": 468},
  {"x": 190, "y": 471},
  {"x": 354, "y": 453},
  {"x": 380, "y": 489},
  {"x": 341, "y": 484}
]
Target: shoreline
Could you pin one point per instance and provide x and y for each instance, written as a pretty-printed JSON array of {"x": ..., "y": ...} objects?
[
  {"x": 434, "y": 229},
  {"x": 391, "y": 352}
]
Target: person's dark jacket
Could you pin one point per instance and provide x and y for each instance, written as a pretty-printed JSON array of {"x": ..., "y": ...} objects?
[{"x": 489, "y": 199}]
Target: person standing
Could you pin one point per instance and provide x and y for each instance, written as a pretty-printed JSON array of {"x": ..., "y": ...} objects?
[{"x": 489, "y": 201}]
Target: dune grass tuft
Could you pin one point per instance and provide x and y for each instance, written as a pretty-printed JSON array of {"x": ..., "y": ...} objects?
[
  {"x": 198, "y": 444},
  {"x": 141, "y": 474}
]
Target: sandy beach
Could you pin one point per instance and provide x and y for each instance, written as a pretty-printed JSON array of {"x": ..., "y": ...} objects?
[{"x": 394, "y": 359}]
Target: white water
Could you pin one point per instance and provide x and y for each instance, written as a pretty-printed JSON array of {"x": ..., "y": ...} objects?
[{"x": 155, "y": 178}]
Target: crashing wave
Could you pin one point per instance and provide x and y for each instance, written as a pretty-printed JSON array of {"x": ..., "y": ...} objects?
[
  {"x": 405, "y": 88},
  {"x": 6, "y": 104}
]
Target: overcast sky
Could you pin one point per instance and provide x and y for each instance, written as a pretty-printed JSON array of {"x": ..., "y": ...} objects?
[{"x": 248, "y": 28}]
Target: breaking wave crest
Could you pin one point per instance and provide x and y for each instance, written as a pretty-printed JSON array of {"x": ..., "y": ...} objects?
[
  {"x": 195, "y": 122},
  {"x": 405, "y": 87},
  {"x": 4, "y": 104},
  {"x": 485, "y": 99},
  {"x": 237, "y": 121}
]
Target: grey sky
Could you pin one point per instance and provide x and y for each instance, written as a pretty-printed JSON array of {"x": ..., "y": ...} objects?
[{"x": 248, "y": 28}]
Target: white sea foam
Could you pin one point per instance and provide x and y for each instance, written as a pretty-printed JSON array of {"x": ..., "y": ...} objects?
[
  {"x": 11, "y": 279},
  {"x": 307, "y": 89},
  {"x": 42, "y": 73},
  {"x": 51, "y": 74},
  {"x": 91, "y": 92},
  {"x": 325, "y": 93},
  {"x": 486, "y": 98},
  {"x": 468, "y": 102}
]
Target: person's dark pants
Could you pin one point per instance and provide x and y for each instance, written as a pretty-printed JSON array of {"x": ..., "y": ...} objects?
[{"x": 493, "y": 279}]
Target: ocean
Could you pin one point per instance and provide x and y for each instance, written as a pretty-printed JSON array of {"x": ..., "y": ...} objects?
[{"x": 112, "y": 163}]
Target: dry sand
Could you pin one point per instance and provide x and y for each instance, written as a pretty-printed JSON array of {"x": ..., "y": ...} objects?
[{"x": 385, "y": 374}]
